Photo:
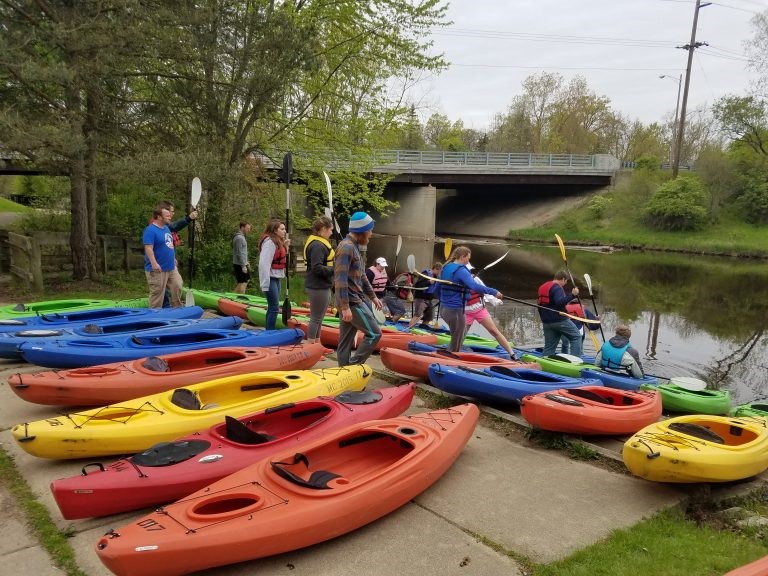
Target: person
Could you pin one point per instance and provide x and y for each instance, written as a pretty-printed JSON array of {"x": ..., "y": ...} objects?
[
  {"x": 273, "y": 260},
  {"x": 353, "y": 292},
  {"x": 176, "y": 226},
  {"x": 453, "y": 296},
  {"x": 240, "y": 266},
  {"x": 475, "y": 310},
  {"x": 318, "y": 255},
  {"x": 617, "y": 354},
  {"x": 423, "y": 310},
  {"x": 552, "y": 295},
  {"x": 160, "y": 260},
  {"x": 377, "y": 275},
  {"x": 578, "y": 309}
]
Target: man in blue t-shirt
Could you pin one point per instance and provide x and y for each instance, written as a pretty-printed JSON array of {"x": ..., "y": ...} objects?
[{"x": 160, "y": 260}]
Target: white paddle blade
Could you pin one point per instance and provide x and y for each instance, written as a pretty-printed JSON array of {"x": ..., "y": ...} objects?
[
  {"x": 496, "y": 261},
  {"x": 189, "y": 299},
  {"x": 688, "y": 383},
  {"x": 327, "y": 213},
  {"x": 411, "y": 263},
  {"x": 330, "y": 190},
  {"x": 588, "y": 282},
  {"x": 379, "y": 315},
  {"x": 569, "y": 358},
  {"x": 399, "y": 244},
  {"x": 197, "y": 191}
]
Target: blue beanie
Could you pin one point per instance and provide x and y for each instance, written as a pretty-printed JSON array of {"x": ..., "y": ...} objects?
[{"x": 360, "y": 222}]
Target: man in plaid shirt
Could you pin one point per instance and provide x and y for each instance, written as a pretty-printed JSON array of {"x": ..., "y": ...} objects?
[{"x": 354, "y": 294}]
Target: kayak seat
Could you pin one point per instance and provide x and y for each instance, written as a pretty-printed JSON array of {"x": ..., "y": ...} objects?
[
  {"x": 697, "y": 431},
  {"x": 589, "y": 395},
  {"x": 156, "y": 364},
  {"x": 186, "y": 399},
  {"x": 318, "y": 480},
  {"x": 93, "y": 329},
  {"x": 240, "y": 433},
  {"x": 137, "y": 340}
]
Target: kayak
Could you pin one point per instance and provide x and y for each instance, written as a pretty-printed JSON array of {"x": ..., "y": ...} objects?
[
  {"x": 48, "y": 306},
  {"x": 677, "y": 399},
  {"x": 298, "y": 497},
  {"x": 698, "y": 448},
  {"x": 99, "y": 332},
  {"x": 55, "y": 320},
  {"x": 754, "y": 409},
  {"x": 444, "y": 336},
  {"x": 497, "y": 351},
  {"x": 584, "y": 367},
  {"x": 134, "y": 425},
  {"x": 499, "y": 383},
  {"x": 416, "y": 364},
  {"x": 757, "y": 568},
  {"x": 171, "y": 470},
  {"x": 256, "y": 314},
  {"x": 77, "y": 353},
  {"x": 109, "y": 383},
  {"x": 390, "y": 338},
  {"x": 592, "y": 410},
  {"x": 209, "y": 299}
]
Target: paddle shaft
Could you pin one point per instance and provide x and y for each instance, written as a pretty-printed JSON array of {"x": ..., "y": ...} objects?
[
  {"x": 578, "y": 300},
  {"x": 588, "y": 280}
]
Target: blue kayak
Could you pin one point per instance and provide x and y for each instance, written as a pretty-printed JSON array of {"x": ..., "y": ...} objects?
[
  {"x": 618, "y": 380},
  {"x": 500, "y": 383},
  {"x": 11, "y": 341},
  {"x": 499, "y": 352},
  {"x": 77, "y": 353},
  {"x": 75, "y": 319}
]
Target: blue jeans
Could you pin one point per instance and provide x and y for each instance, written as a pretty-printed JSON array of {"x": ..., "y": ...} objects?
[
  {"x": 553, "y": 331},
  {"x": 273, "y": 303}
]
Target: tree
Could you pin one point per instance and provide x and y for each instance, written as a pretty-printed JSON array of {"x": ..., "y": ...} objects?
[{"x": 744, "y": 118}]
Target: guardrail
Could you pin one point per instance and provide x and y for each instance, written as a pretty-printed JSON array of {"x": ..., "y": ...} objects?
[{"x": 427, "y": 157}]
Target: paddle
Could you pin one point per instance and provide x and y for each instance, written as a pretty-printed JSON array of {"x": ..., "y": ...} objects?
[
  {"x": 285, "y": 175},
  {"x": 688, "y": 383},
  {"x": 578, "y": 300},
  {"x": 588, "y": 281},
  {"x": 197, "y": 192},
  {"x": 493, "y": 263},
  {"x": 411, "y": 261},
  {"x": 329, "y": 211},
  {"x": 397, "y": 250},
  {"x": 447, "y": 248}
]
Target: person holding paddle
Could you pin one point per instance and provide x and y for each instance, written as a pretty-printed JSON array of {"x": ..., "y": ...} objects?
[
  {"x": 353, "y": 291},
  {"x": 319, "y": 255},
  {"x": 273, "y": 259},
  {"x": 422, "y": 299},
  {"x": 552, "y": 296},
  {"x": 453, "y": 296}
]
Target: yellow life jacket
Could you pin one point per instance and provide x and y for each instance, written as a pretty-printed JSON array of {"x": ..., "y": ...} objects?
[{"x": 331, "y": 253}]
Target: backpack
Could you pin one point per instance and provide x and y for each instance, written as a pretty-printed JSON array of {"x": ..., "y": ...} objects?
[{"x": 405, "y": 280}]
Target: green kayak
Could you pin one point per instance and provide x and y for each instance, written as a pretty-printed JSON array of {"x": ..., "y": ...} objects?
[
  {"x": 209, "y": 299},
  {"x": 555, "y": 365},
  {"x": 71, "y": 305},
  {"x": 676, "y": 399},
  {"x": 756, "y": 409}
]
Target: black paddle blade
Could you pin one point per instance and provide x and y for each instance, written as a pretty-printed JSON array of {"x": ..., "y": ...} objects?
[
  {"x": 286, "y": 311},
  {"x": 287, "y": 170}
]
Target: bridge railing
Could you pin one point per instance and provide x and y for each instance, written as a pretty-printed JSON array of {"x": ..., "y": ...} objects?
[{"x": 425, "y": 157}]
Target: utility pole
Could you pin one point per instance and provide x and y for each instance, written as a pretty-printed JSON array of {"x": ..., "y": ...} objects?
[
  {"x": 677, "y": 115},
  {"x": 690, "y": 47}
]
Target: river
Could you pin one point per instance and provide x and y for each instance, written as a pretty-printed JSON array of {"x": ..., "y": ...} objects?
[{"x": 690, "y": 315}]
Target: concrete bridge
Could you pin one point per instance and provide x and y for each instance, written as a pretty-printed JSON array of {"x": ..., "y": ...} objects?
[{"x": 478, "y": 193}]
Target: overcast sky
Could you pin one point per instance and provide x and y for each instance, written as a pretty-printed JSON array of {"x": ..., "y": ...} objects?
[{"x": 620, "y": 47}]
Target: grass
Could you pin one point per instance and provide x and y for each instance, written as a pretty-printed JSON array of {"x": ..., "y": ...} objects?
[
  {"x": 9, "y": 206},
  {"x": 38, "y": 519}
]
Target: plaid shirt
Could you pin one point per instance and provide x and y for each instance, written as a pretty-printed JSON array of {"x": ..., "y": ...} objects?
[{"x": 349, "y": 279}]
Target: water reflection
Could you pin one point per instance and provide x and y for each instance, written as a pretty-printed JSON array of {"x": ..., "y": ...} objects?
[{"x": 689, "y": 314}]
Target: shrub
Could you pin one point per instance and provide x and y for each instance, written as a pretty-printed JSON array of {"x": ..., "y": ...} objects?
[
  {"x": 599, "y": 204},
  {"x": 677, "y": 205}
]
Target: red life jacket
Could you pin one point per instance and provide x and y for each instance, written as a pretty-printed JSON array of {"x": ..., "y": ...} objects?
[
  {"x": 474, "y": 298},
  {"x": 380, "y": 279},
  {"x": 544, "y": 289},
  {"x": 280, "y": 259},
  {"x": 575, "y": 309}
]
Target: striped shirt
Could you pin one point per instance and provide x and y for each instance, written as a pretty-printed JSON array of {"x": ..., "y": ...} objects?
[{"x": 349, "y": 279}]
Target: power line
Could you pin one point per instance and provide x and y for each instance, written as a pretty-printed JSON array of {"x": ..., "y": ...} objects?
[{"x": 565, "y": 67}]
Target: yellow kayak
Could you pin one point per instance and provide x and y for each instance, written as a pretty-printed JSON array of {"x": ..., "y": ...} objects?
[
  {"x": 699, "y": 448},
  {"x": 134, "y": 425}
]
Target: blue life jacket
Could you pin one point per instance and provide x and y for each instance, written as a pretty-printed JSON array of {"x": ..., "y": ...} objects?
[{"x": 612, "y": 356}]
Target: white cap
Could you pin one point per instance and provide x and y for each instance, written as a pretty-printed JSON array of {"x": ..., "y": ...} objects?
[
  {"x": 469, "y": 266},
  {"x": 381, "y": 261}
]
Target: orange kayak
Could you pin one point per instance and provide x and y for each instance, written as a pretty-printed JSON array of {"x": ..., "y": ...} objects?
[
  {"x": 592, "y": 410},
  {"x": 298, "y": 497},
  {"x": 119, "y": 381},
  {"x": 416, "y": 363},
  {"x": 390, "y": 338},
  {"x": 757, "y": 568}
]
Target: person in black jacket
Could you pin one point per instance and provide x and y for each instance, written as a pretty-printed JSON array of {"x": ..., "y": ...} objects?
[{"x": 318, "y": 255}]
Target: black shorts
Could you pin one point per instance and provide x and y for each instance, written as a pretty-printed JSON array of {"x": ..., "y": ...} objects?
[{"x": 242, "y": 277}]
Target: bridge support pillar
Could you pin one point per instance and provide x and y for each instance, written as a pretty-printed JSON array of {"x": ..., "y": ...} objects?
[{"x": 416, "y": 216}]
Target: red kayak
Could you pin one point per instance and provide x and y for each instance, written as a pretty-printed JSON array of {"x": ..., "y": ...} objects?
[
  {"x": 171, "y": 470},
  {"x": 298, "y": 497},
  {"x": 119, "y": 381},
  {"x": 390, "y": 337},
  {"x": 592, "y": 410},
  {"x": 416, "y": 363}
]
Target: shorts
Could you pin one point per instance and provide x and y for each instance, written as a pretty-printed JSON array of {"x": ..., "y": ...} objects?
[
  {"x": 477, "y": 315},
  {"x": 240, "y": 276}
]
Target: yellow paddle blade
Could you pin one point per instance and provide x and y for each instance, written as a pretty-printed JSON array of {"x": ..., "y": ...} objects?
[
  {"x": 562, "y": 248},
  {"x": 448, "y": 248}
]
